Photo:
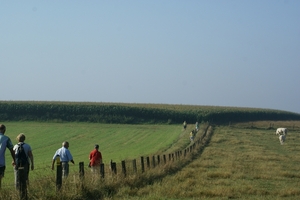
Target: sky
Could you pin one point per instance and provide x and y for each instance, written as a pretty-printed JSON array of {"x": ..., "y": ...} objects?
[{"x": 236, "y": 53}]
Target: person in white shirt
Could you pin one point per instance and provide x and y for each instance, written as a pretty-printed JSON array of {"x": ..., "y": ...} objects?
[
  {"x": 5, "y": 142},
  {"x": 65, "y": 157}
]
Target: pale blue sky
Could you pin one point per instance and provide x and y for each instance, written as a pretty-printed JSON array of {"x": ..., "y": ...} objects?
[{"x": 222, "y": 53}]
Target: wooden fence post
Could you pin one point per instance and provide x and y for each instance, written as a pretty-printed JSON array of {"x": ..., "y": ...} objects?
[
  {"x": 148, "y": 162},
  {"x": 158, "y": 159},
  {"x": 134, "y": 165},
  {"x": 113, "y": 167},
  {"x": 22, "y": 183},
  {"x": 81, "y": 170},
  {"x": 102, "y": 170},
  {"x": 165, "y": 160},
  {"x": 142, "y": 164},
  {"x": 153, "y": 161},
  {"x": 58, "y": 174},
  {"x": 123, "y": 167}
]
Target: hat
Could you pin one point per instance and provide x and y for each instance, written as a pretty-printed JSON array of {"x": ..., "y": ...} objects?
[{"x": 97, "y": 146}]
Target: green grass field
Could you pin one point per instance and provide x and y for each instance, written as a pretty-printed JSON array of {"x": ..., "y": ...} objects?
[
  {"x": 117, "y": 142},
  {"x": 241, "y": 161}
]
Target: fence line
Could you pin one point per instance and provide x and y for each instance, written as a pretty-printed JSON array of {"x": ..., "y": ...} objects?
[{"x": 129, "y": 167}]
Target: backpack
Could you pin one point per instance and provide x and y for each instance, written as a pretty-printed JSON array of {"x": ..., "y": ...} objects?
[{"x": 20, "y": 156}]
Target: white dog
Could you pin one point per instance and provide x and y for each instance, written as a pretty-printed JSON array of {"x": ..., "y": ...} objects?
[{"x": 281, "y": 131}]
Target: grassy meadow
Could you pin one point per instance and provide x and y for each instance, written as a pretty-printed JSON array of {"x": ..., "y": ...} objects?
[
  {"x": 242, "y": 161},
  {"x": 117, "y": 142}
]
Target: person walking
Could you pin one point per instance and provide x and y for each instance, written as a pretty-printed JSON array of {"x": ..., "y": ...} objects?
[
  {"x": 197, "y": 126},
  {"x": 184, "y": 125},
  {"x": 65, "y": 157},
  {"x": 192, "y": 135},
  {"x": 95, "y": 159},
  {"x": 29, "y": 156},
  {"x": 5, "y": 142}
]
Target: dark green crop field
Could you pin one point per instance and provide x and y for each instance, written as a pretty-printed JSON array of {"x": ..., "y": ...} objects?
[{"x": 122, "y": 113}]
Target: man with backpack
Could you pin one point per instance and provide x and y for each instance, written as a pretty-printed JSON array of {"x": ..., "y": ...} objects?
[
  {"x": 24, "y": 158},
  {"x": 5, "y": 142}
]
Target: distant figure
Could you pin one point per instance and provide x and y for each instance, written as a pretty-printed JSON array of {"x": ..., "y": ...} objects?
[
  {"x": 95, "y": 159},
  {"x": 5, "y": 142},
  {"x": 197, "y": 126},
  {"x": 65, "y": 157},
  {"x": 192, "y": 134},
  {"x": 29, "y": 156},
  {"x": 184, "y": 125}
]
